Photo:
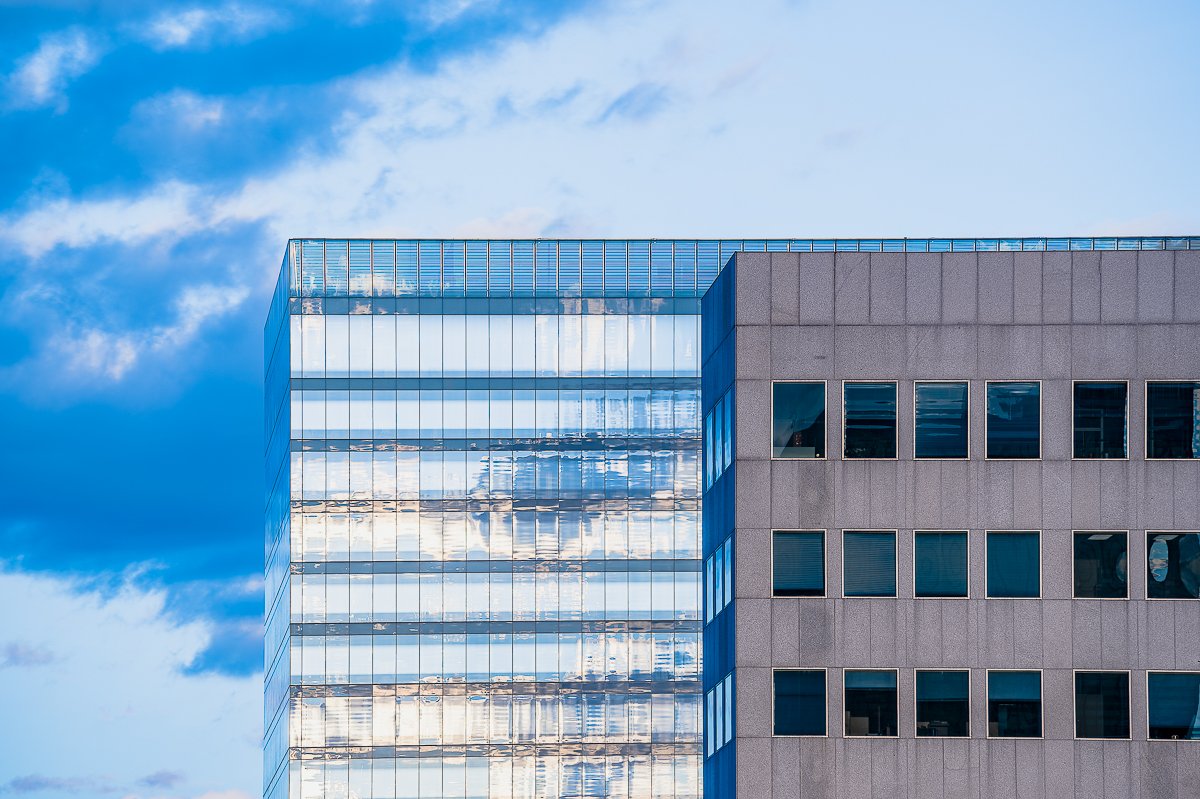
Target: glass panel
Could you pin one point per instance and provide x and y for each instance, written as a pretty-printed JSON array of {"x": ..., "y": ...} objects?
[
  {"x": 1173, "y": 420},
  {"x": 869, "y": 563},
  {"x": 940, "y": 564},
  {"x": 1013, "y": 564},
  {"x": 1014, "y": 704},
  {"x": 798, "y": 564},
  {"x": 1173, "y": 565},
  {"x": 1101, "y": 565},
  {"x": 798, "y": 420},
  {"x": 870, "y": 698},
  {"x": 941, "y": 420},
  {"x": 943, "y": 704},
  {"x": 799, "y": 703},
  {"x": 1101, "y": 704},
  {"x": 1174, "y": 705},
  {"x": 1100, "y": 426},
  {"x": 870, "y": 421},
  {"x": 1014, "y": 418}
]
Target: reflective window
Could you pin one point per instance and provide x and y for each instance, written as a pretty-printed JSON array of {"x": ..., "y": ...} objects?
[
  {"x": 869, "y": 563},
  {"x": 798, "y": 563},
  {"x": 799, "y": 702},
  {"x": 798, "y": 420},
  {"x": 1173, "y": 565},
  {"x": 1014, "y": 564},
  {"x": 870, "y": 698},
  {"x": 1101, "y": 704},
  {"x": 1014, "y": 420},
  {"x": 1101, "y": 566},
  {"x": 870, "y": 420},
  {"x": 940, "y": 420},
  {"x": 940, "y": 564},
  {"x": 1174, "y": 705},
  {"x": 943, "y": 704},
  {"x": 1100, "y": 425},
  {"x": 1014, "y": 704},
  {"x": 1173, "y": 420}
]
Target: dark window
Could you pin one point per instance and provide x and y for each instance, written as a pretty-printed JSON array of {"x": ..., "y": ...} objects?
[
  {"x": 1014, "y": 564},
  {"x": 799, "y": 702},
  {"x": 1014, "y": 704},
  {"x": 1174, "y": 705},
  {"x": 1014, "y": 420},
  {"x": 869, "y": 563},
  {"x": 1100, "y": 430},
  {"x": 870, "y": 702},
  {"x": 1173, "y": 565},
  {"x": 1101, "y": 565},
  {"x": 943, "y": 703},
  {"x": 870, "y": 420},
  {"x": 1173, "y": 420},
  {"x": 941, "y": 564},
  {"x": 798, "y": 426},
  {"x": 1101, "y": 704},
  {"x": 798, "y": 567},
  {"x": 941, "y": 420}
]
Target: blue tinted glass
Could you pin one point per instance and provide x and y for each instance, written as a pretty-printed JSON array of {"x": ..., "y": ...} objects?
[
  {"x": 1101, "y": 704},
  {"x": 798, "y": 564},
  {"x": 1014, "y": 704},
  {"x": 1173, "y": 565},
  {"x": 799, "y": 703},
  {"x": 943, "y": 704},
  {"x": 798, "y": 423},
  {"x": 941, "y": 564},
  {"x": 1174, "y": 705},
  {"x": 869, "y": 563},
  {"x": 1100, "y": 430},
  {"x": 941, "y": 420},
  {"x": 1173, "y": 420},
  {"x": 1101, "y": 565},
  {"x": 870, "y": 699},
  {"x": 870, "y": 421},
  {"x": 1013, "y": 420},
  {"x": 1013, "y": 565}
]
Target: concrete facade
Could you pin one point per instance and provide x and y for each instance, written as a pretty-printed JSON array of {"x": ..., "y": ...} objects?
[{"x": 1052, "y": 316}]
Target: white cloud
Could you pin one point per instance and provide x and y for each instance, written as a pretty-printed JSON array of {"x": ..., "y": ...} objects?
[
  {"x": 200, "y": 26},
  {"x": 41, "y": 77},
  {"x": 182, "y": 108}
]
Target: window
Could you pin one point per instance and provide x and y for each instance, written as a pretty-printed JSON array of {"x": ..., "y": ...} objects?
[
  {"x": 940, "y": 423},
  {"x": 939, "y": 564},
  {"x": 718, "y": 711},
  {"x": 1100, "y": 426},
  {"x": 869, "y": 563},
  {"x": 798, "y": 420},
  {"x": 1014, "y": 565},
  {"x": 870, "y": 698},
  {"x": 943, "y": 704},
  {"x": 799, "y": 702},
  {"x": 870, "y": 420},
  {"x": 1014, "y": 420},
  {"x": 1173, "y": 420},
  {"x": 1101, "y": 704},
  {"x": 1173, "y": 565},
  {"x": 719, "y": 578},
  {"x": 798, "y": 563},
  {"x": 1174, "y": 705},
  {"x": 1101, "y": 565},
  {"x": 1014, "y": 704}
]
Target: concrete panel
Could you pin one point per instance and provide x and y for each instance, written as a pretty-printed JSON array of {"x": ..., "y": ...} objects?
[
  {"x": 1114, "y": 633},
  {"x": 1057, "y": 625},
  {"x": 816, "y": 509},
  {"x": 752, "y": 503},
  {"x": 996, "y": 288},
  {"x": 959, "y": 281},
  {"x": 863, "y": 351},
  {"x": 883, "y": 632},
  {"x": 1056, "y": 351},
  {"x": 1159, "y": 652},
  {"x": 1116, "y": 499},
  {"x": 942, "y": 352},
  {"x": 1187, "y": 286},
  {"x": 1057, "y": 429},
  {"x": 752, "y": 420},
  {"x": 1060, "y": 780},
  {"x": 1057, "y": 575},
  {"x": 929, "y": 768},
  {"x": 1085, "y": 495},
  {"x": 957, "y": 777},
  {"x": 785, "y": 767},
  {"x": 1156, "y": 286},
  {"x": 1157, "y": 510},
  {"x": 1058, "y": 703},
  {"x": 1101, "y": 351},
  {"x": 1163, "y": 773},
  {"x": 1167, "y": 350},
  {"x": 1010, "y": 351},
  {"x": 753, "y": 633},
  {"x": 1086, "y": 638},
  {"x": 956, "y": 629},
  {"x": 752, "y": 348},
  {"x": 1027, "y": 495},
  {"x": 923, "y": 295},
  {"x": 785, "y": 494},
  {"x": 752, "y": 563},
  {"x": 1187, "y": 635},
  {"x": 997, "y": 622},
  {"x": 1002, "y": 769},
  {"x": 802, "y": 352},
  {"x": 753, "y": 767},
  {"x": 785, "y": 288},
  {"x": 815, "y": 301},
  {"x": 1056, "y": 494},
  {"x": 885, "y": 768},
  {"x": 855, "y": 634},
  {"x": 1056, "y": 287},
  {"x": 1118, "y": 286},
  {"x": 816, "y": 770},
  {"x": 752, "y": 288},
  {"x": 1187, "y": 495},
  {"x": 1085, "y": 287},
  {"x": 817, "y": 632},
  {"x": 924, "y": 644},
  {"x": 1027, "y": 634},
  {"x": 1030, "y": 765},
  {"x": 852, "y": 286},
  {"x": 1089, "y": 770},
  {"x": 887, "y": 288},
  {"x": 785, "y": 632},
  {"x": 1027, "y": 288}
]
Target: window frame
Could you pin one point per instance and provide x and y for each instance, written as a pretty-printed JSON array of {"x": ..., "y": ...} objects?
[
  {"x": 896, "y": 672},
  {"x": 825, "y": 673},
  {"x": 965, "y": 382},
  {"x": 987, "y": 701},
  {"x": 1128, "y": 420},
  {"x": 895, "y": 563},
  {"x": 968, "y": 595},
  {"x": 1146, "y": 416},
  {"x": 824, "y": 561},
  {"x": 970, "y": 704},
  {"x": 1127, "y": 548},
  {"x": 1146, "y": 561},
  {"x": 1128, "y": 704},
  {"x": 771, "y": 422},
  {"x": 1147, "y": 673},
  {"x": 1041, "y": 568},
  {"x": 896, "y": 436},
  {"x": 1041, "y": 421}
]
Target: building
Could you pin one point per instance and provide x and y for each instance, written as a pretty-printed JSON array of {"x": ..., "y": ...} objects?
[
  {"x": 952, "y": 525},
  {"x": 484, "y": 570}
]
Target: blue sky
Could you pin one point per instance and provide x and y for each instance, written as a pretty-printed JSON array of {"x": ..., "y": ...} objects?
[{"x": 154, "y": 158}]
